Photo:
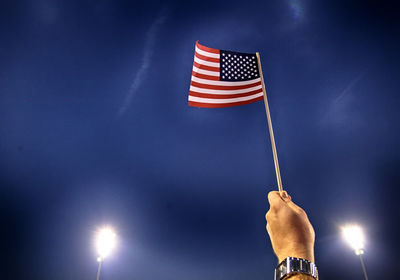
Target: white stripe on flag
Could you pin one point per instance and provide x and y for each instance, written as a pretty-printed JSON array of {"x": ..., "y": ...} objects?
[
  {"x": 221, "y": 92},
  {"x": 205, "y": 53},
  {"x": 205, "y": 72},
  {"x": 224, "y": 83},
  {"x": 222, "y": 101},
  {"x": 203, "y": 62}
]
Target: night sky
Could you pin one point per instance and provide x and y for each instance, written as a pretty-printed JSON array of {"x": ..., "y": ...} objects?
[{"x": 95, "y": 130}]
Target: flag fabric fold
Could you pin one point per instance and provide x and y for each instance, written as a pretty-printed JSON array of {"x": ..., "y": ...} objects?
[{"x": 224, "y": 78}]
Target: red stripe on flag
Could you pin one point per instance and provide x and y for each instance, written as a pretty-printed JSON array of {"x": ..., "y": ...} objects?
[
  {"x": 212, "y": 105},
  {"x": 207, "y": 86},
  {"x": 204, "y": 48},
  {"x": 223, "y": 96},
  {"x": 206, "y": 58},
  {"x": 205, "y": 67},
  {"x": 207, "y": 77},
  {"x": 204, "y": 92}
]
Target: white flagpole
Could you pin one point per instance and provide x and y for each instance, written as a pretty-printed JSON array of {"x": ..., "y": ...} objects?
[{"x": 271, "y": 132}]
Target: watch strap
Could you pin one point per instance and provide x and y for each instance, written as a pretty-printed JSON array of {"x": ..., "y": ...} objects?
[{"x": 292, "y": 265}]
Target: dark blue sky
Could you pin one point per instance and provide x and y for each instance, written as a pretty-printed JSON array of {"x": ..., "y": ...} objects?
[{"x": 95, "y": 129}]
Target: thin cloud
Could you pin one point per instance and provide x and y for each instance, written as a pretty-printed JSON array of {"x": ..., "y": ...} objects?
[
  {"x": 347, "y": 90},
  {"x": 151, "y": 37},
  {"x": 297, "y": 9},
  {"x": 339, "y": 109}
]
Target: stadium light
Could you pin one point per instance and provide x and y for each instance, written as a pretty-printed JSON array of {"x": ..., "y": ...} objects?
[
  {"x": 354, "y": 236},
  {"x": 105, "y": 243}
]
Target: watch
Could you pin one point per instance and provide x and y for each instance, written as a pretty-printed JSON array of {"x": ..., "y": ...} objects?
[{"x": 291, "y": 265}]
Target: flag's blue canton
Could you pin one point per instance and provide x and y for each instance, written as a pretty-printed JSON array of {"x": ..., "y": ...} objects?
[{"x": 238, "y": 66}]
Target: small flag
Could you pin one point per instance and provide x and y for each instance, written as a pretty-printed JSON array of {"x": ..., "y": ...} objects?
[{"x": 224, "y": 78}]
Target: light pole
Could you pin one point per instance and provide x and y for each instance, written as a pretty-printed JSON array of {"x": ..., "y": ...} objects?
[
  {"x": 100, "y": 261},
  {"x": 105, "y": 243},
  {"x": 354, "y": 236}
]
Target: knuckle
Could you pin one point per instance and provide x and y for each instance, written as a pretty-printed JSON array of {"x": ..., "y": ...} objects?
[
  {"x": 272, "y": 194},
  {"x": 268, "y": 216},
  {"x": 302, "y": 212},
  {"x": 268, "y": 228},
  {"x": 274, "y": 208}
]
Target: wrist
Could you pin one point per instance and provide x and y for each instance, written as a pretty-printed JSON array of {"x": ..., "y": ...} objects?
[{"x": 303, "y": 254}]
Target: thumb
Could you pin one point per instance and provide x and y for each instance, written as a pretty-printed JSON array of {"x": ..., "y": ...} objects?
[
  {"x": 285, "y": 196},
  {"x": 288, "y": 199}
]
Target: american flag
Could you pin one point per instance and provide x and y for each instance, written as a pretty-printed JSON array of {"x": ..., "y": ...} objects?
[{"x": 224, "y": 78}]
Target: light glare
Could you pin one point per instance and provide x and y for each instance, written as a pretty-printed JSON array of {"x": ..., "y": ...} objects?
[
  {"x": 354, "y": 236},
  {"x": 105, "y": 242}
]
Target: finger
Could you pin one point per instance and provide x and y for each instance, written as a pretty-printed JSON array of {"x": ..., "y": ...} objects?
[
  {"x": 295, "y": 207},
  {"x": 268, "y": 229},
  {"x": 288, "y": 199},
  {"x": 274, "y": 198},
  {"x": 285, "y": 196}
]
